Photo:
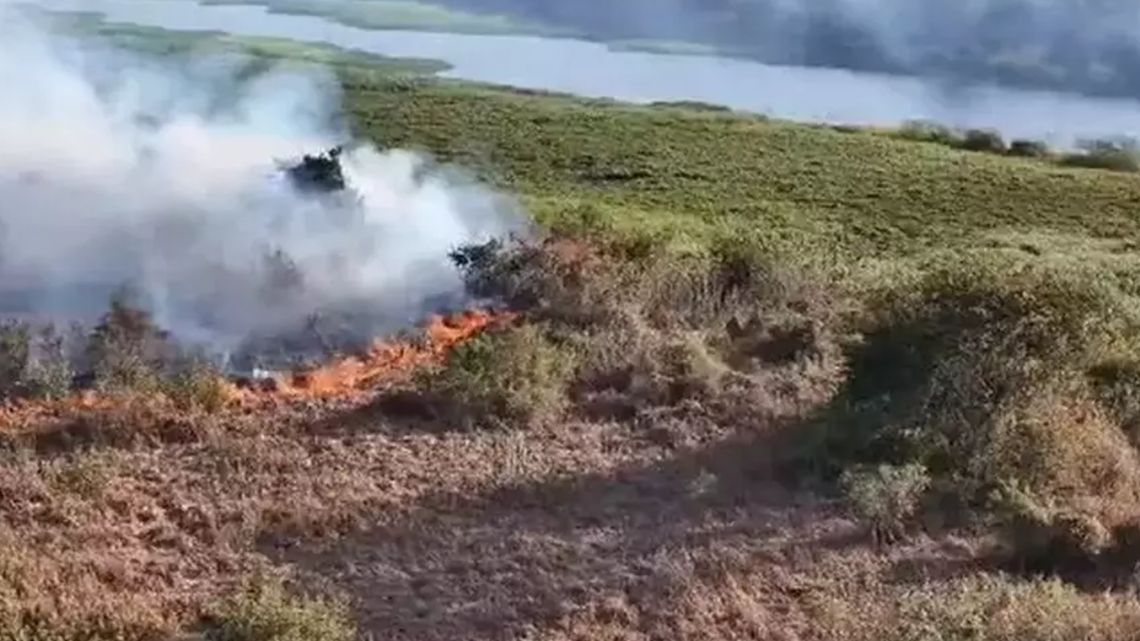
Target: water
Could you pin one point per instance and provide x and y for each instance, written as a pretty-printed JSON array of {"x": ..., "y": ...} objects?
[{"x": 591, "y": 69}]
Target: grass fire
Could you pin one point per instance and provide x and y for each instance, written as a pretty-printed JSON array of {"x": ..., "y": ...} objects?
[
  {"x": 301, "y": 354},
  {"x": 47, "y": 372}
]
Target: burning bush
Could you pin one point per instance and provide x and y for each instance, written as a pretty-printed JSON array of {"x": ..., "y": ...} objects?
[{"x": 320, "y": 173}]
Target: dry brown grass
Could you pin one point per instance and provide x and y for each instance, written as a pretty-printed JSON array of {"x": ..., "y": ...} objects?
[{"x": 642, "y": 502}]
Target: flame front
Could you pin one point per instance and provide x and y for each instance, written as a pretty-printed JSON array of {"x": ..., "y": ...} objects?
[
  {"x": 384, "y": 361},
  {"x": 352, "y": 377}
]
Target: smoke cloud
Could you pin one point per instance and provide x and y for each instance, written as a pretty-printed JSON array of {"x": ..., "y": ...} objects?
[{"x": 116, "y": 170}]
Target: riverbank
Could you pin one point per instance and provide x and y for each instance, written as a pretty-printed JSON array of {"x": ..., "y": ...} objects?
[
  {"x": 831, "y": 43},
  {"x": 400, "y": 14},
  {"x": 167, "y": 42}
]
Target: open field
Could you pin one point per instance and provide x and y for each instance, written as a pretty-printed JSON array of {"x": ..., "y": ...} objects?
[{"x": 763, "y": 380}]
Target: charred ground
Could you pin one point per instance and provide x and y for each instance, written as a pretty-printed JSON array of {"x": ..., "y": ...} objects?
[{"x": 760, "y": 380}]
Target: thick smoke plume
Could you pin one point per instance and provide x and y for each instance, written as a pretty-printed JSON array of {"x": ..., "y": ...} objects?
[{"x": 163, "y": 176}]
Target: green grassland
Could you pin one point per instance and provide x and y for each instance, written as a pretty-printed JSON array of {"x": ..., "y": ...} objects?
[
  {"x": 770, "y": 380},
  {"x": 685, "y": 174},
  {"x": 163, "y": 42}
]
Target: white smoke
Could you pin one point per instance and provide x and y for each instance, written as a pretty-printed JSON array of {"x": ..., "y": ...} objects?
[{"x": 118, "y": 169}]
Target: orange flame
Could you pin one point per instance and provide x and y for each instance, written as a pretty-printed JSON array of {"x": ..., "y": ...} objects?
[
  {"x": 349, "y": 377},
  {"x": 383, "y": 362}
]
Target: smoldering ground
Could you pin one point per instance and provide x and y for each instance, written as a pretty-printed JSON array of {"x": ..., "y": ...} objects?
[{"x": 164, "y": 177}]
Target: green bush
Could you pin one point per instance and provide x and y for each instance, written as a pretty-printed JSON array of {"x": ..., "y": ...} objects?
[
  {"x": 512, "y": 377},
  {"x": 983, "y": 140},
  {"x": 1028, "y": 148},
  {"x": 195, "y": 383},
  {"x": 126, "y": 351},
  {"x": 1110, "y": 159},
  {"x": 34, "y": 362},
  {"x": 885, "y": 497},
  {"x": 929, "y": 132},
  {"x": 15, "y": 349},
  {"x": 957, "y": 374},
  {"x": 50, "y": 372},
  {"x": 266, "y": 612}
]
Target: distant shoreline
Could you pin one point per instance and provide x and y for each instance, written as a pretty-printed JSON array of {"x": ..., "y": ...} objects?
[{"x": 414, "y": 15}]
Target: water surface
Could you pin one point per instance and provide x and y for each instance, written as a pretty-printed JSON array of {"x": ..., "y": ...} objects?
[{"x": 594, "y": 70}]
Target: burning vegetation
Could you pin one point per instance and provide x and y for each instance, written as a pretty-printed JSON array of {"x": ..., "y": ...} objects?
[
  {"x": 125, "y": 353},
  {"x": 320, "y": 173}
]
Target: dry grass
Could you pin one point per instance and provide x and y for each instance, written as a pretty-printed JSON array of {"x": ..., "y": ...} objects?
[{"x": 646, "y": 503}]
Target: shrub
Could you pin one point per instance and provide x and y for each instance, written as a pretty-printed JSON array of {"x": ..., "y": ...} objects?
[
  {"x": 978, "y": 375},
  {"x": 34, "y": 362},
  {"x": 983, "y": 140},
  {"x": 1028, "y": 148},
  {"x": 928, "y": 132},
  {"x": 516, "y": 376},
  {"x": 660, "y": 331},
  {"x": 15, "y": 349},
  {"x": 1110, "y": 159},
  {"x": 266, "y": 612},
  {"x": 195, "y": 383},
  {"x": 1041, "y": 536},
  {"x": 126, "y": 350},
  {"x": 1116, "y": 384},
  {"x": 50, "y": 373},
  {"x": 885, "y": 497}
]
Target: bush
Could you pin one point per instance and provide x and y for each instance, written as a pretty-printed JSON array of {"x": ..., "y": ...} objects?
[
  {"x": 983, "y": 140},
  {"x": 1041, "y": 536},
  {"x": 1110, "y": 159},
  {"x": 126, "y": 351},
  {"x": 516, "y": 376},
  {"x": 885, "y": 497},
  {"x": 15, "y": 349},
  {"x": 928, "y": 132},
  {"x": 1117, "y": 386},
  {"x": 1028, "y": 148},
  {"x": 979, "y": 375},
  {"x": 727, "y": 333},
  {"x": 50, "y": 373},
  {"x": 34, "y": 362},
  {"x": 266, "y": 612},
  {"x": 195, "y": 383}
]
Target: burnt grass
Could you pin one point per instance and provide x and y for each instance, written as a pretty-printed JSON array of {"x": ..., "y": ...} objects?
[{"x": 691, "y": 432}]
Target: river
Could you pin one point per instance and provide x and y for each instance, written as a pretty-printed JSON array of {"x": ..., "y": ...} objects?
[{"x": 594, "y": 70}]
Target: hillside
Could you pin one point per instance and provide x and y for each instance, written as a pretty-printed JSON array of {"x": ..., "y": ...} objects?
[{"x": 759, "y": 380}]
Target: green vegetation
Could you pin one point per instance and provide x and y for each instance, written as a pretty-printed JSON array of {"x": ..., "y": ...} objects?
[
  {"x": 267, "y": 612},
  {"x": 765, "y": 380},
  {"x": 685, "y": 177},
  {"x": 400, "y": 14},
  {"x": 170, "y": 43}
]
